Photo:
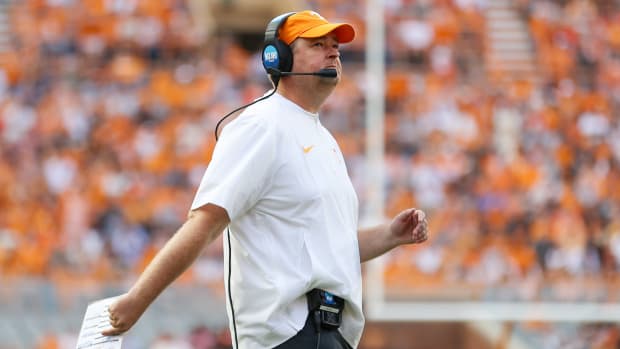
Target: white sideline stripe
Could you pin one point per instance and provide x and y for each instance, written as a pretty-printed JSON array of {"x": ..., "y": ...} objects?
[{"x": 496, "y": 311}]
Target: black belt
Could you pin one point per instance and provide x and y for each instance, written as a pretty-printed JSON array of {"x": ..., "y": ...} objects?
[{"x": 325, "y": 309}]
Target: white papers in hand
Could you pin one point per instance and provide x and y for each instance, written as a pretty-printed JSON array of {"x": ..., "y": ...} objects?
[{"x": 97, "y": 319}]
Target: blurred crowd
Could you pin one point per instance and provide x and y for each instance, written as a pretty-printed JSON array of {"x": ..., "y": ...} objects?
[
  {"x": 107, "y": 112},
  {"x": 521, "y": 175}
]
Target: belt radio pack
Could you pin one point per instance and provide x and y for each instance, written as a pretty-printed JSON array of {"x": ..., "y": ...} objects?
[{"x": 325, "y": 308}]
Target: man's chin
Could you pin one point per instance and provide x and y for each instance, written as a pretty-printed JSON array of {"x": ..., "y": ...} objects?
[{"x": 330, "y": 80}]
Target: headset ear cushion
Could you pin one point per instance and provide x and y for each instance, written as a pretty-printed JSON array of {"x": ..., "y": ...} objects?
[
  {"x": 277, "y": 55},
  {"x": 286, "y": 56}
]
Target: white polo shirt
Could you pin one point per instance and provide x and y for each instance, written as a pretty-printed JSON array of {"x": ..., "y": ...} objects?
[{"x": 282, "y": 179}]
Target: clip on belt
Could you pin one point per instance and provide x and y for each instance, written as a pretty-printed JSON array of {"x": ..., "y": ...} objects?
[{"x": 326, "y": 308}]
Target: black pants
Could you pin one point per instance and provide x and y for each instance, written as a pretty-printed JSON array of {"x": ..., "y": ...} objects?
[{"x": 308, "y": 338}]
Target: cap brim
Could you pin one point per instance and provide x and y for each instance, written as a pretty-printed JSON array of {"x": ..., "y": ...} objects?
[{"x": 344, "y": 32}]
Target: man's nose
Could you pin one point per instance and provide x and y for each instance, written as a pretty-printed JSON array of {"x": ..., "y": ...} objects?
[{"x": 333, "y": 52}]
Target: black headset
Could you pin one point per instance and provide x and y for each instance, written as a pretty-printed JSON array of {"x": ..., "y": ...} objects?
[{"x": 277, "y": 55}]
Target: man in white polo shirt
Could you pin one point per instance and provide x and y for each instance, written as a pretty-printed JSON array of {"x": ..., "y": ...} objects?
[{"x": 277, "y": 184}]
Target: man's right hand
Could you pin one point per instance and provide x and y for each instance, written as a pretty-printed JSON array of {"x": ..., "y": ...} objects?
[{"x": 124, "y": 313}]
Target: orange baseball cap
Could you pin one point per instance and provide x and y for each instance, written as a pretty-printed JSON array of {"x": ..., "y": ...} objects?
[{"x": 309, "y": 24}]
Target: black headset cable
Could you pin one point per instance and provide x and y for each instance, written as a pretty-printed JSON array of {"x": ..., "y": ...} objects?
[{"x": 217, "y": 126}]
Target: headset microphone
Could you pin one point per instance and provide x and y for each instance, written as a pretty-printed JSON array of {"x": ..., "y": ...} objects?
[{"x": 324, "y": 73}]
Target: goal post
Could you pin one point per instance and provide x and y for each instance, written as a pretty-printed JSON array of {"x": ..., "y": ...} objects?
[{"x": 375, "y": 148}]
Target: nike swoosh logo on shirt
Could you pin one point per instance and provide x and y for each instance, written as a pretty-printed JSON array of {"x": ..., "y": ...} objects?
[{"x": 307, "y": 149}]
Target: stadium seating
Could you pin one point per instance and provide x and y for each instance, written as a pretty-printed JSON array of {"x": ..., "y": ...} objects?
[{"x": 107, "y": 110}]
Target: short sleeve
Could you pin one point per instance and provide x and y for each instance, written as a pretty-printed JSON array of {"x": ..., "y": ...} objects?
[{"x": 241, "y": 167}]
